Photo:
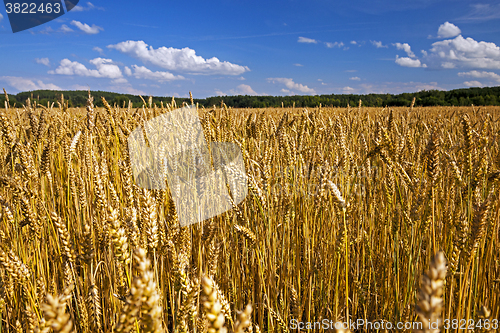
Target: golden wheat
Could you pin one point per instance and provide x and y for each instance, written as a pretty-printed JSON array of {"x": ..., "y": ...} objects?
[{"x": 345, "y": 209}]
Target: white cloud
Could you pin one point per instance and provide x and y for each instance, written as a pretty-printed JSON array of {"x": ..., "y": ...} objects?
[
  {"x": 332, "y": 45},
  {"x": 68, "y": 67},
  {"x": 105, "y": 68},
  {"x": 80, "y": 87},
  {"x": 405, "y": 47},
  {"x": 89, "y": 6},
  {"x": 24, "y": 84},
  {"x": 1, "y": 17},
  {"x": 298, "y": 65},
  {"x": 292, "y": 85},
  {"x": 242, "y": 89},
  {"x": 127, "y": 89},
  {"x": 482, "y": 12},
  {"x": 49, "y": 30},
  {"x": 241, "y": 78},
  {"x": 127, "y": 71},
  {"x": 286, "y": 91},
  {"x": 307, "y": 40},
  {"x": 397, "y": 87},
  {"x": 43, "y": 61},
  {"x": 91, "y": 30},
  {"x": 355, "y": 78},
  {"x": 473, "y": 84},
  {"x": 463, "y": 52},
  {"x": 45, "y": 31},
  {"x": 120, "y": 80},
  {"x": 351, "y": 70},
  {"x": 64, "y": 28},
  {"x": 184, "y": 60},
  {"x": 98, "y": 49},
  {"x": 348, "y": 89},
  {"x": 378, "y": 44},
  {"x": 447, "y": 30},
  {"x": 481, "y": 75},
  {"x": 353, "y": 42},
  {"x": 141, "y": 72},
  {"x": 409, "y": 62}
]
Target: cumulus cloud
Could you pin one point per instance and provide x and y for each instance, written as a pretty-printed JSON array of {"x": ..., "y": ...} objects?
[
  {"x": 141, "y": 72},
  {"x": 307, "y": 40},
  {"x": 24, "y": 84},
  {"x": 377, "y": 44},
  {"x": 447, "y": 30},
  {"x": 348, "y": 90},
  {"x": 43, "y": 61},
  {"x": 405, "y": 47},
  {"x": 298, "y": 65},
  {"x": 98, "y": 49},
  {"x": 245, "y": 89},
  {"x": 409, "y": 62},
  {"x": 1, "y": 17},
  {"x": 473, "y": 84},
  {"x": 91, "y": 30},
  {"x": 353, "y": 42},
  {"x": 481, "y": 75},
  {"x": 120, "y": 80},
  {"x": 127, "y": 71},
  {"x": 461, "y": 52},
  {"x": 332, "y": 45},
  {"x": 105, "y": 68},
  {"x": 242, "y": 89},
  {"x": 355, "y": 78},
  {"x": 64, "y": 28},
  {"x": 184, "y": 60},
  {"x": 292, "y": 85}
]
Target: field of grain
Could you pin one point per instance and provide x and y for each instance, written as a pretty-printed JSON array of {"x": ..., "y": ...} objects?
[{"x": 348, "y": 215}]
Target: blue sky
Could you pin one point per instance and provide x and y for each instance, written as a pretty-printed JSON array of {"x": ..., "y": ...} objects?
[{"x": 284, "y": 47}]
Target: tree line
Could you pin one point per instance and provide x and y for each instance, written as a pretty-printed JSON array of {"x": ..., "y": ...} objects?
[{"x": 456, "y": 97}]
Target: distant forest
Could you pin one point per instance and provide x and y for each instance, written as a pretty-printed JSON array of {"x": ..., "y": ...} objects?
[{"x": 457, "y": 97}]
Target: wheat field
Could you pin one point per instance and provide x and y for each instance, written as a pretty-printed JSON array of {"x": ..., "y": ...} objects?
[{"x": 361, "y": 213}]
